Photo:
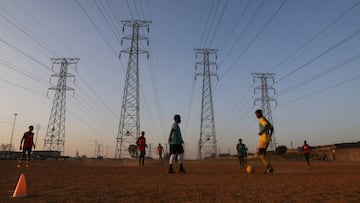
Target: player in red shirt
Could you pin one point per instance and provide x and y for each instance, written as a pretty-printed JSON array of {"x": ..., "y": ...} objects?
[
  {"x": 141, "y": 144},
  {"x": 306, "y": 150},
  {"x": 160, "y": 150},
  {"x": 27, "y": 146}
]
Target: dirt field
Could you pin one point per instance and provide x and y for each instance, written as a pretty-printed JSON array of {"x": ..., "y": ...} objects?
[{"x": 205, "y": 181}]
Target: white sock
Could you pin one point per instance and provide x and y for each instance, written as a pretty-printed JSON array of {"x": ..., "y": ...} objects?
[
  {"x": 172, "y": 158},
  {"x": 181, "y": 158}
]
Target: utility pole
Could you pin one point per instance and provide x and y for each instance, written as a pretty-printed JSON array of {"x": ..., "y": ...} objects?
[
  {"x": 12, "y": 133},
  {"x": 98, "y": 150},
  {"x": 129, "y": 125},
  {"x": 37, "y": 133},
  {"x": 207, "y": 142},
  {"x": 150, "y": 151},
  {"x": 266, "y": 82},
  {"x": 55, "y": 133}
]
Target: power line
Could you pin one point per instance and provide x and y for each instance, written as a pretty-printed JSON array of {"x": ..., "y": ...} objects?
[
  {"x": 253, "y": 40},
  {"x": 321, "y": 74},
  {"x": 84, "y": 81},
  {"x": 42, "y": 25},
  {"x": 22, "y": 71},
  {"x": 207, "y": 22},
  {"x": 31, "y": 76},
  {"x": 24, "y": 53},
  {"x": 96, "y": 27},
  {"x": 131, "y": 14},
  {"x": 114, "y": 14},
  {"x": 239, "y": 123},
  {"x": 22, "y": 87},
  {"x": 321, "y": 90},
  {"x": 80, "y": 105},
  {"x": 107, "y": 22},
  {"x": 218, "y": 23},
  {"x": 90, "y": 126},
  {"x": 39, "y": 42},
  {"x": 242, "y": 33},
  {"x": 37, "y": 61},
  {"x": 189, "y": 111},
  {"x": 93, "y": 107},
  {"x": 320, "y": 55},
  {"x": 236, "y": 25},
  {"x": 234, "y": 112},
  {"x": 211, "y": 24},
  {"x": 156, "y": 91},
  {"x": 136, "y": 9},
  {"x": 315, "y": 36},
  {"x": 142, "y": 10},
  {"x": 97, "y": 96}
]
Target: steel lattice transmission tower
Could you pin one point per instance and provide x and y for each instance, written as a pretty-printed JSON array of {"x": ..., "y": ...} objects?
[
  {"x": 129, "y": 126},
  {"x": 55, "y": 133},
  {"x": 266, "y": 82},
  {"x": 207, "y": 141}
]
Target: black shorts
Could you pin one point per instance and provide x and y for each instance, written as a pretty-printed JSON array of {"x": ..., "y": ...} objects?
[
  {"x": 142, "y": 153},
  {"x": 262, "y": 151},
  {"x": 176, "y": 149},
  {"x": 28, "y": 150}
]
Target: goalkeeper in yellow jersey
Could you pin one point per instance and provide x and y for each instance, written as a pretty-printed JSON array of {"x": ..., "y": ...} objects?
[{"x": 266, "y": 130}]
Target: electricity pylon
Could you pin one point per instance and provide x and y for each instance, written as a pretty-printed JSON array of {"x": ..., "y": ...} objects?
[
  {"x": 129, "y": 125},
  {"x": 266, "y": 82},
  {"x": 207, "y": 142},
  {"x": 55, "y": 133}
]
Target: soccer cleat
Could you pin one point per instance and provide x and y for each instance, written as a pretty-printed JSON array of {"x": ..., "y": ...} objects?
[
  {"x": 18, "y": 165},
  {"x": 182, "y": 170},
  {"x": 269, "y": 170},
  {"x": 171, "y": 170}
]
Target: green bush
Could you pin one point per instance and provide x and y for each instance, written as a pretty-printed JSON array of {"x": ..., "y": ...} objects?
[{"x": 280, "y": 150}]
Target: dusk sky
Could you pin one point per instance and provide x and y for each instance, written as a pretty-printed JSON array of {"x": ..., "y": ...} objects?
[{"x": 312, "y": 46}]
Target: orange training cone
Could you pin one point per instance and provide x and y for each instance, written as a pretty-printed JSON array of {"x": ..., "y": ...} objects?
[{"x": 20, "y": 190}]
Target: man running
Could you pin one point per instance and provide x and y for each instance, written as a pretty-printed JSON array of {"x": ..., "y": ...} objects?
[
  {"x": 266, "y": 130},
  {"x": 160, "y": 151},
  {"x": 141, "y": 144}
]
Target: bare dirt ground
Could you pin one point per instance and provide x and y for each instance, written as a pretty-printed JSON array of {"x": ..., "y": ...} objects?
[{"x": 205, "y": 181}]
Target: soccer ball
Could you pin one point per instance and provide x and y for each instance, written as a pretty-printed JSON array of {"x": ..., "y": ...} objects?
[{"x": 250, "y": 169}]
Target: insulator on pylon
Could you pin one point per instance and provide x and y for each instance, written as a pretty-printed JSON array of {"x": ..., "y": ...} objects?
[
  {"x": 147, "y": 42},
  {"x": 120, "y": 56},
  {"x": 148, "y": 56},
  {"x": 123, "y": 28},
  {"x": 121, "y": 43},
  {"x": 148, "y": 29}
]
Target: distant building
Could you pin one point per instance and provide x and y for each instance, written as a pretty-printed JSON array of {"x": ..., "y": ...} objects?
[
  {"x": 341, "y": 151},
  {"x": 35, "y": 155}
]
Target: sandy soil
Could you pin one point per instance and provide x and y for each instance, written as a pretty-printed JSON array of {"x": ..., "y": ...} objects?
[{"x": 205, "y": 181}]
